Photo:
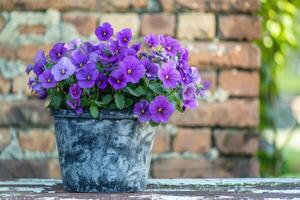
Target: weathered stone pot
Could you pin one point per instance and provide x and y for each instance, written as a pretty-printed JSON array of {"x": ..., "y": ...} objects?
[{"x": 110, "y": 153}]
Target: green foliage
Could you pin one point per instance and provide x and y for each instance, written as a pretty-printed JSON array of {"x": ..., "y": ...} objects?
[{"x": 278, "y": 36}]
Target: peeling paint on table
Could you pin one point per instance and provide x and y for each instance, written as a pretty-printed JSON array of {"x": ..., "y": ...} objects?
[{"x": 182, "y": 189}]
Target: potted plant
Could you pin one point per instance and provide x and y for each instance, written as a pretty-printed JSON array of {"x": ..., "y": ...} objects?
[{"x": 106, "y": 99}]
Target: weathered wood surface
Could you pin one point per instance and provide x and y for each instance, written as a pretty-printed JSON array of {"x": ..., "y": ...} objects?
[{"x": 276, "y": 188}]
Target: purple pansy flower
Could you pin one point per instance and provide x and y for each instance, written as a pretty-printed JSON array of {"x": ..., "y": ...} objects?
[
  {"x": 161, "y": 109},
  {"x": 151, "y": 40},
  {"x": 189, "y": 91},
  {"x": 136, "y": 47},
  {"x": 114, "y": 47},
  {"x": 58, "y": 51},
  {"x": 133, "y": 68},
  {"x": 75, "y": 91},
  {"x": 194, "y": 75},
  {"x": 104, "y": 32},
  {"x": 29, "y": 68},
  {"x": 39, "y": 63},
  {"x": 87, "y": 76},
  {"x": 151, "y": 68},
  {"x": 101, "y": 81},
  {"x": 79, "y": 58},
  {"x": 73, "y": 44},
  {"x": 39, "y": 89},
  {"x": 124, "y": 36},
  {"x": 204, "y": 88},
  {"x": 63, "y": 69},
  {"x": 171, "y": 45},
  {"x": 118, "y": 79},
  {"x": 46, "y": 79},
  {"x": 76, "y": 105},
  {"x": 168, "y": 75},
  {"x": 190, "y": 103},
  {"x": 141, "y": 110}
]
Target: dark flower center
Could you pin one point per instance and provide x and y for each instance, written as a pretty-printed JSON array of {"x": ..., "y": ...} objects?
[
  {"x": 75, "y": 91},
  {"x": 49, "y": 80},
  {"x": 129, "y": 71},
  {"x": 80, "y": 65},
  {"x": 125, "y": 39},
  {"x": 58, "y": 54},
  {"x": 88, "y": 77},
  {"x": 63, "y": 71},
  {"x": 143, "y": 111},
  {"x": 169, "y": 48},
  {"x": 159, "y": 109},
  {"x": 104, "y": 33},
  {"x": 167, "y": 77},
  {"x": 99, "y": 82},
  {"x": 118, "y": 81}
]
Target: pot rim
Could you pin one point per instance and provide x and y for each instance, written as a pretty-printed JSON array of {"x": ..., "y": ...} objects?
[{"x": 103, "y": 114}]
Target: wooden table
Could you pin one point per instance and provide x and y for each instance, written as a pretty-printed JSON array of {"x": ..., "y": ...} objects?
[{"x": 187, "y": 189}]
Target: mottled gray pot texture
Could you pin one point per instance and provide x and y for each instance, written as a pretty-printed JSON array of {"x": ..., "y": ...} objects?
[{"x": 111, "y": 153}]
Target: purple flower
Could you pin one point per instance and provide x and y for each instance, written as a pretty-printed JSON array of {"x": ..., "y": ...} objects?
[
  {"x": 79, "y": 58},
  {"x": 204, "y": 88},
  {"x": 39, "y": 63},
  {"x": 73, "y": 44},
  {"x": 29, "y": 68},
  {"x": 39, "y": 89},
  {"x": 151, "y": 68},
  {"x": 194, "y": 75},
  {"x": 104, "y": 32},
  {"x": 161, "y": 109},
  {"x": 75, "y": 91},
  {"x": 141, "y": 110},
  {"x": 118, "y": 79},
  {"x": 168, "y": 75},
  {"x": 76, "y": 105},
  {"x": 190, "y": 103},
  {"x": 136, "y": 47},
  {"x": 124, "y": 36},
  {"x": 171, "y": 45},
  {"x": 133, "y": 68},
  {"x": 63, "y": 69},
  {"x": 58, "y": 51},
  {"x": 151, "y": 40},
  {"x": 47, "y": 79},
  {"x": 114, "y": 47},
  {"x": 101, "y": 81},
  {"x": 87, "y": 76},
  {"x": 189, "y": 91}
]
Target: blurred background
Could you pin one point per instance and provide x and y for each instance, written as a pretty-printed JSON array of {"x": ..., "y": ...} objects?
[{"x": 248, "y": 126}]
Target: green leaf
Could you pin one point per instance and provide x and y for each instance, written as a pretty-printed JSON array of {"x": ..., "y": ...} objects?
[
  {"x": 94, "y": 110},
  {"x": 137, "y": 92},
  {"x": 154, "y": 124},
  {"x": 120, "y": 101},
  {"x": 107, "y": 99},
  {"x": 129, "y": 102},
  {"x": 85, "y": 102},
  {"x": 56, "y": 99},
  {"x": 156, "y": 87}
]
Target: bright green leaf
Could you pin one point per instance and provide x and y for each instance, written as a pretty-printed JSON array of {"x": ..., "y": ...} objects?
[
  {"x": 94, "y": 110},
  {"x": 107, "y": 99},
  {"x": 120, "y": 101}
]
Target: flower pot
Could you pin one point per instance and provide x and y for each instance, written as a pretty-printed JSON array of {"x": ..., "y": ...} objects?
[{"x": 110, "y": 153}]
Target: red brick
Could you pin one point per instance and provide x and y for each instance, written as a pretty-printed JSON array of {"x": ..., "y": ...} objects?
[
  {"x": 203, "y": 168},
  {"x": 46, "y": 4},
  {"x": 247, "y": 6},
  {"x": 27, "y": 52},
  {"x": 37, "y": 140},
  {"x": 113, "y": 5},
  {"x": 28, "y": 169},
  {"x": 24, "y": 113},
  {"x": 158, "y": 24},
  {"x": 239, "y": 83},
  {"x": 224, "y": 55},
  {"x": 85, "y": 23},
  {"x": 236, "y": 141},
  {"x": 139, "y": 3},
  {"x": 32, "y": 29},
  {"x": 231, "y": 113},
  {"x": 7, "y": 52},
  {"x": 162, "y": 141},
  {"x": 19, "y": 85},
  {"x": 191, "y": 4},
  {"x": 239, "y": 27},
  {"x": 195, "y": 140},
  {"x": 167, "y": 5},
  {"x": 5, "y": 137},
  {"x": 4, "y": 85},
  {"x": 199, "y": 26},
  {"x": 2, "y": 22}
]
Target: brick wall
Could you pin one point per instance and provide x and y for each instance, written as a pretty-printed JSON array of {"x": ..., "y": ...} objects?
[{"x": 219, "y": 139}]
